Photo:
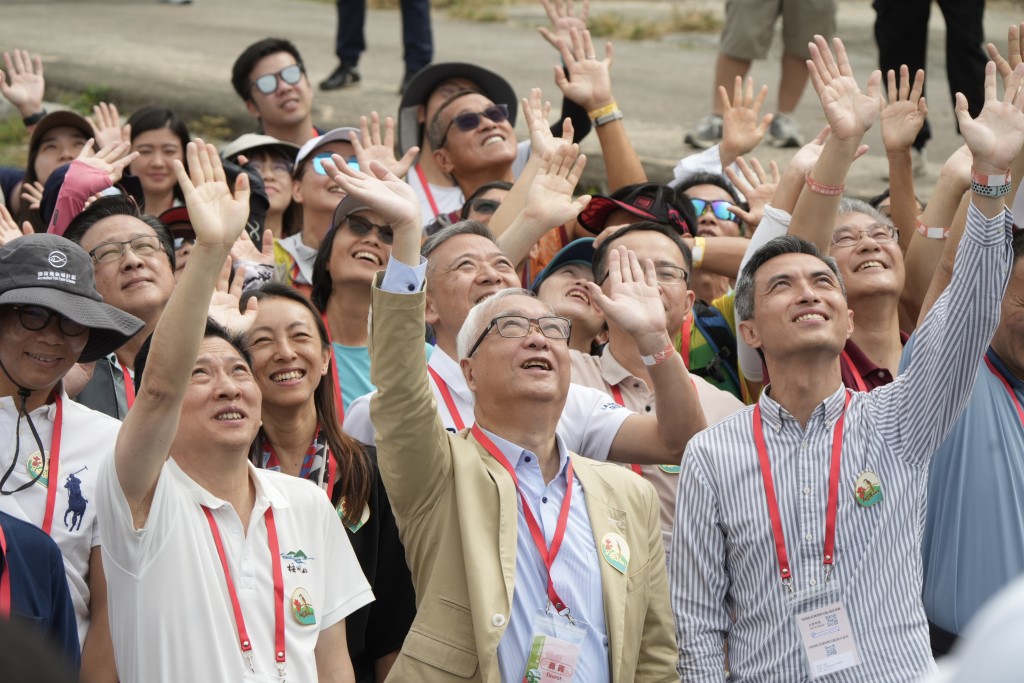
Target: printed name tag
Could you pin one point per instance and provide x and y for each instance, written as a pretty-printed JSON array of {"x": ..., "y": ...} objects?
[
  {"x": 554, "y": 650},
  {"x": 828, "y": 639}
]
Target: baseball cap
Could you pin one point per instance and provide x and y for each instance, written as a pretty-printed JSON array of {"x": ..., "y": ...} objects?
[
  {"x": 577, "y": 251},
  {"x": 346, "y": 207},
  {"x": 177, "y": 220},
  {"x": 647, "y": 201},
  {"x": 50, "y": 271},
  {"x": 245, "y": 144},
  {"x": 57, "y": 119},
  {"x": 344, "y": 134},
  {"x": 427, "y": 79}
]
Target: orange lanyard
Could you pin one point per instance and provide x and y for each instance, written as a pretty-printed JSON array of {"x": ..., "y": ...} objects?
[
  {"x": 857, "y": 379},
  {"x": 446, "y": 396},
  {"x": 54, "y": 467},
  {"x": 426, "y": 190},
  {"x": 129, "y": 386}
]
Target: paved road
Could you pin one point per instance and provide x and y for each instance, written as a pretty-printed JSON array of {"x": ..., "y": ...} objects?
[{"x": 181, "y": 56}]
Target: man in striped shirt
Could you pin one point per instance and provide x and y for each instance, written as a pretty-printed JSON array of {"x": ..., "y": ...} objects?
[{"x": 817, "y": 492}]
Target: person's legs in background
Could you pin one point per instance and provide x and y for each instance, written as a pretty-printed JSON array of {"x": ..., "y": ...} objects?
[{"x": 349, "y": 44}]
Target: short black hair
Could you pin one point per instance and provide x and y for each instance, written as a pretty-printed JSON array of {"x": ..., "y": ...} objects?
[
  {"x": 787, "y": 244},
  {"x": 213, "y": 329},
  {"x": 707, "y": 178},
  {"x": 486, "y": 187},
  {"x": 246, "y": 62},
  {"x": 119, "y": 205},
  {"x": 600, "y": 264},
  {"x": 435, "y": 129}
]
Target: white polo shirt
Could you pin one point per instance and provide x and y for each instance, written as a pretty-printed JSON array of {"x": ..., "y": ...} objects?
[
  {"x": 589, "y": 422},
  {"x": 87, "y": 441},
  {"x": 170, "y": 611}
]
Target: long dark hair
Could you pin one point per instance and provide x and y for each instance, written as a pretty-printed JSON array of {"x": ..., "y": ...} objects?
[
  {"x": 156, "y": 118},
  {"x": 355, "y": 469}
]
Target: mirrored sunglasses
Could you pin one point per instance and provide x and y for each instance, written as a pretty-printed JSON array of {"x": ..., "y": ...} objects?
[
  {"x": 268, "y": 83},
  {"x": 719, "y": 207},
  {"x": 319, "y": 159}
]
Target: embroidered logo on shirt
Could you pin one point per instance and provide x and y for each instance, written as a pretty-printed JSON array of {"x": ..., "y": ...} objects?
[
  {"x": 76, "y": 502},
  {"x": 296, "y": 558},
  {"x": 33, "y": 464},
  {"x": 610, "y": 406}
]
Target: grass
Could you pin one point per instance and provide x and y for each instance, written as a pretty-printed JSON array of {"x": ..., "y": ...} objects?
[
  {"x": 692, "y": 20},
  {"x": 13, "y": 142}
]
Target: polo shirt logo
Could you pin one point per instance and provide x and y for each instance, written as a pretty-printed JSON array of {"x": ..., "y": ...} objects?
[
  {"x": 76, "y": 502},
  {"x": 296, "y": 558}
]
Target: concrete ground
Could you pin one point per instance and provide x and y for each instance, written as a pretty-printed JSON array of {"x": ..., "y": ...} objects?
[{"x": 181, "y": 56}]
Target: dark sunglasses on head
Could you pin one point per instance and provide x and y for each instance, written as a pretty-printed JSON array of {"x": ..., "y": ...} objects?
[
  {"x": 469, "y": 120},
  {"x": 719, "y": 207},
  {"x": 319, "y": 159},
  {"x": 268, "y": 83},
  {"x": 362, "y": 227}
]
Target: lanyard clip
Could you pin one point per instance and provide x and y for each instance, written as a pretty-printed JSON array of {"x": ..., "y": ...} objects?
[
  {"x": 788, "y": 583},
  {"x": 248, "y": 659},
  {"x": 828, "y": 572},
  {"x": 280, "y": 672}
]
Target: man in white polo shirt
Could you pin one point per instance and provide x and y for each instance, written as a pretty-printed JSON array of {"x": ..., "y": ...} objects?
[{"x": 217, "y": 571}]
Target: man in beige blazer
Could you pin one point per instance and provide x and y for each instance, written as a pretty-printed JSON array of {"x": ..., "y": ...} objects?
[{"x": 479, "y": 574}]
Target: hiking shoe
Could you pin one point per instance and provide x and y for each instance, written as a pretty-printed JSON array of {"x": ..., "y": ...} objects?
[
  {"x": 784, "y": 132},
  {"x": 708, "y": 132},
  {"x": 345, "y": 76}
]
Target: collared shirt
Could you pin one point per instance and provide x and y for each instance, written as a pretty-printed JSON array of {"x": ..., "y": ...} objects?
[
  {"x": 870, "y": 373},
  {"x": 292, "y": 253},
  {"x": 576, "y": 574},
  {"x": 974, "y": 534},
  {"x": 724, "y": 560},
  {"x": 604, "y": 372}
]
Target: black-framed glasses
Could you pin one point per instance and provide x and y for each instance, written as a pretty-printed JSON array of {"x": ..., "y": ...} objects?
[
  {"x": 108, "y": 252},
  {"x": 319, "y": 159},
  {"x": 483, "y": 206},
  {"x": 362, "y": 227},
  {"x": 518, "y": 326},
  {"x": 879, "y": 232},
  {"x": 36, "y": 318},
  {"x": 719, "y": 209},
  {"x": 269, "y": 83},
  {"x": 469, "y": 120}
]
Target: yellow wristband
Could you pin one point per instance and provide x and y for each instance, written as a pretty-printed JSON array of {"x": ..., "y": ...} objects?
[
  {"x": 603, "y": 111},
  {"x": 697, "y": 253}
]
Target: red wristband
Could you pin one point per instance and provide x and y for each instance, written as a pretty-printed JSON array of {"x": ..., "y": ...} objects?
[{"x": 821, "y": 188}]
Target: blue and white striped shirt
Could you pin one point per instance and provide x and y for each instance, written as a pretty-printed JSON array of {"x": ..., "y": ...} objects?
[{"x": 724, "y": 572}]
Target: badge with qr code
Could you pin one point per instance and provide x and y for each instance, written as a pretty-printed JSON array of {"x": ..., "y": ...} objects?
[{"x": 828, "y": 639}]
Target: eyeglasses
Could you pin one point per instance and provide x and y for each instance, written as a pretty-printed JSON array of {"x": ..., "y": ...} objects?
[
  {"x": 362, "y": 227},
  {"x": 268, "y": 83},
  {"x": 37, "y": 318},
  {"x": 484, "y": 206},
  {"x": 665, "y": 274},
  {"x": 108, "y": 252},
  {"x": 518, "y": 326},
  {"x": 179, "y": 242},
  {"x": 469, "y": 120},
  {"x": 845, "y": 238},
  {"x": 319, "y": 159},
  {"x": 265, "y": 166},
  {"x": 719, "y": 208}
]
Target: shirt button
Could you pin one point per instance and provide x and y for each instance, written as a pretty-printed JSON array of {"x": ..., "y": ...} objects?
[
  {"x": 803, "y": 446},
  {"x": 648, "y": 409},
  {"x": 808, "y": 537},
  {"x": 807, "y": 489},
  {"x": 527, "y": 458},
  {"x": 881, "y": 373},
  {"x": 411, "y": 288},
  {"x": 636, "y": 385},
  {"x": 813, "y": 582},
  {"x": 544, "y": 499},
  {"x": 498, "y": 620}
]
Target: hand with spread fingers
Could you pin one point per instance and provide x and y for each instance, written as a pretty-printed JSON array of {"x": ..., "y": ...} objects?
[
  {"x": 1006, "y": 65},
  {"x": 849, "y": 112},
  {"x": 32, "y": 195},
  {"x": 589, "y": 82},
  {"x": 536, "y": 111},
  {"x": 9, "y": 227},
  {"x": 218, "y": 215},
  {"x": 904, "y": 113},
  {"x": 743, "y": 127},
  {"x": 996, "y": 136},
  {"x": 112, "y": 159},
  {"x": 371, "y": 146},
  {"x": 384, "y": 192},
  {"x": 562, "y": 15},
  {"x": 22, "y": 82},
  {"x": 106, "y": 122},
  {"x": 549, "y": 200},
  {"x": 244, "y": 251},
  {"x": 757, "y": 185},
  {"x": 633, "y": 301},
  {"x": 224, "y": 305}
]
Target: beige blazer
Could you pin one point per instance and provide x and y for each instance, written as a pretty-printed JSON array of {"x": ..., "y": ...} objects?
[{"x": 456, "y": 509}]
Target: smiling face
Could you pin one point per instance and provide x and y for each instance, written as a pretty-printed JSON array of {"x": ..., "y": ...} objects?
[
  {"x": 36, "y": 359},
  {"x": 355, "y": 258},
  {"x": 318, "y": 194},
  {"x": 277, "y": 178},
  {"x": 286, "y": 106},
  {"x": 221, "y": 409},
  {"x": 489, "y": 145},
  {"x": 288, "y": 356},
  {"x": 157, "y": 149},
  {"x": 57, "y": 147},
  {"x": 870, "y": 268},
  {"x": 461, "y": 272},
  {"x": 799, "y": 308},
  {"x": 140, "y": 285},
  {"x": 565, "y": 291}
]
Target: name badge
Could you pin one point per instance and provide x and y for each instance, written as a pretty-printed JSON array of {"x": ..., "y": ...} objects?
[
  {"x": 554, "y": 649},
  {"x": 828, "y": 639}
]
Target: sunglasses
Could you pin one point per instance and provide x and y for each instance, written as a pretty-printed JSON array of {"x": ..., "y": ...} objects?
[
  {"x": 269, "y": 83},
  {"x": 319, "y": 159},
  {"x": 36, "y": 318},
  {"x": 719, "y": 207},
  {"x": 362, "y": 227},
  {"x": 469, "y": 120}
]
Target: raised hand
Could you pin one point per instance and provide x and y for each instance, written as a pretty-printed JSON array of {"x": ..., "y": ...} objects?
[
  {"x": 32, "y": 195},
  {"x": 807, "y": 156},
  {"x": 562, "y": 16},
  {"x": 757, "y": 185},
  {"x": 536, "y": 112},
  {"x": 743, "y": 127},
  {"x": 633, "y": 301},
  {"x": 549, "y": 200},
  {"x": 106, "y": 122},
  {"x": 849, "y": 112},
  {"x": 218, "y": 216},
  {"x": 23, "y": 84},
  {"x": 244, "y": 251},
  {"x": 373, "y": 147},
  {"x": 381, "y": 190},
  {"x": 9, "y": 227},
  {"x": 1013, "y": 58},
  {"x": 589, "y": 82},
  {"x": 903, "y": 115},
  {"x": 224, "y": 304},
  {"x": 111, "y": 159},
  {"x": 996, "y": 136}
]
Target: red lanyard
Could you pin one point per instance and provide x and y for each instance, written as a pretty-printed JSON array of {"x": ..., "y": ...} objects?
[
  {"x": 275, "y": 562},
  {"x": 129, "y": 386},
  {"x": 426, "y": 190},
  {"x": 54, "y": 466},
  {"x": 446, "y": 396},
  {"x": 684, "y": 339},
  {"x": 1009, "y": 389},
  {"x": 773, "y": 504},
  {"x": 538, "y": 536},
  {"x": 857, "y": 379},
  {"x": 5, "y": 580},
  {"x": 334, "y": 369}
]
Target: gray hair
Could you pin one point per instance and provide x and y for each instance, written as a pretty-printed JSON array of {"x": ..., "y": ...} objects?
[
  {"x": 848, "y": 205},
  {"x": 466, "y": 227},
  {"x": 480, "y": 316},
  {"x": 787, "y": 244}
]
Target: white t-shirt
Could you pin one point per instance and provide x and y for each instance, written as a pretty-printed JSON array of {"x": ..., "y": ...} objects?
[
  {"x": 589, "y": 422},
  {"x": 170, "y": 611},
  {"x": 87, "y": 440}
]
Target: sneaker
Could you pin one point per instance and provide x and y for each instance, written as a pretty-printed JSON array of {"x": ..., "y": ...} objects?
[
  {"x": 784, "y": 132},
  {"x": 708, "y": 132},
  {"x": 345, "y": 76}
]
